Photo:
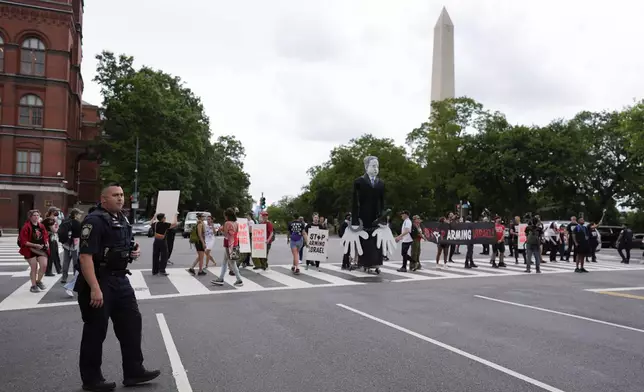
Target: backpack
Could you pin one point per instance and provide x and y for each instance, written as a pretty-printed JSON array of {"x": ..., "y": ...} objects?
[
  {"x": 194, "y": 236},
  {"x": 414, "y": 232},
  {"x": 533, "y": 236},
  {"x": 64, "y": 231}
]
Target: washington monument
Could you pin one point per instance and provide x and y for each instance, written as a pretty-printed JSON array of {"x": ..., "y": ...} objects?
[{"x": 443, "y": 58}]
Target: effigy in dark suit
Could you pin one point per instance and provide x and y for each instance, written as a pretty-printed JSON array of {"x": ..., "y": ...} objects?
[{"x": 367, "y": 209}]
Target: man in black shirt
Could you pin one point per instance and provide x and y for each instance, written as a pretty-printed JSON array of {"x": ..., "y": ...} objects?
[
  {"x": 70, "y": 247},
  {"x": 571, "y": 241},
  {"x": 581, "y": 238},
  {"x": 624, "y": 243}
]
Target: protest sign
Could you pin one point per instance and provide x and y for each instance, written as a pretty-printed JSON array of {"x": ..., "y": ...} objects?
[
  {"x": 259, "y": 241},
  {"x": 460, "y": 233},
  {"x": 316, "y": 250},
  {"x": 168, "y": 204},
  {"x": 522, "y": 236},
  {"x": 243, "y": 235}
]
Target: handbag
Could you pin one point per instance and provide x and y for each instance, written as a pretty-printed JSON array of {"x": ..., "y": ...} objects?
[{"x": 233, "y": 253}]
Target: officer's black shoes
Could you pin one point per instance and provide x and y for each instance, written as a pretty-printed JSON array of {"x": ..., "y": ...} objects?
[
  {"x": 147, "y": 375},
  {"x": 100, "y": 386}
]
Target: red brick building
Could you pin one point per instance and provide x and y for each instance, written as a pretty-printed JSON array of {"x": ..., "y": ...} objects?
[{"x": 45, "y": 126}]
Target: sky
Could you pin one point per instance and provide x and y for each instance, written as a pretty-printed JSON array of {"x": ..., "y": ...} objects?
[{"x": 292, "y": 79}]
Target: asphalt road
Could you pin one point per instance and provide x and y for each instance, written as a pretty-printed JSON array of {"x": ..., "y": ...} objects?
[{"x": 549, "y": 334}]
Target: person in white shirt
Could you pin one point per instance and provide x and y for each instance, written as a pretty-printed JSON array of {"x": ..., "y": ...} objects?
[{"x": 405, "y": 237}]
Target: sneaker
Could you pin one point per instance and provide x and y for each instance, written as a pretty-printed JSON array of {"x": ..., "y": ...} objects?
[
  {"x": 34, "y": 289},
  {"x": 502, "y": 265},
  {"x": 297, "y": 271},
  {"x": 191, "y": 270},
  {"x": 239, "y": 283},
  {"x": 69, "y": 293},
  {"x": 582, "y": 270},
  {"x": 402, "y": 269},
  {"x": 202, "y": 273},
  {"x": 217, "y": 282},
  {"x": 293, "y": 269},
  {"x": 538, "y": 271},
  {"x": 473, "y": 265},
  {"x": 41, "y": 285},
  {"x": 63, "y": 281},
  {"x": 577, "y": 270},
  {"x": 147, "y": 375},
  {"x": 445, "y": 266},
  {"x": 99, "y": 386}
]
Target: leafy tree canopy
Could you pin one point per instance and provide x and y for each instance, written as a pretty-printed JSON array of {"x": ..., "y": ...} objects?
[{"x": 175, "y": 151}]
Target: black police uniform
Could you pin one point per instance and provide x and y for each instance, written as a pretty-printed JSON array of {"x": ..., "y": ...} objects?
[{"x": 108, "y": 238}]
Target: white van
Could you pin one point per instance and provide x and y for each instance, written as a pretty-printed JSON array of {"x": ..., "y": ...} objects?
[{"x": 191, "y": 221}]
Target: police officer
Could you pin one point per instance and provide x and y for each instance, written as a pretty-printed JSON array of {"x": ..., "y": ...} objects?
[{"x": 104, "y": 292}]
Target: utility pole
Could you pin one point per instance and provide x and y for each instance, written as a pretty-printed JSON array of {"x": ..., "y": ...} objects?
[{"x": 135, "y": 200}]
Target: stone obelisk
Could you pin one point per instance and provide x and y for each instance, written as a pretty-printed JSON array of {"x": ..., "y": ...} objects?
[{"x": 443, "y": 58}]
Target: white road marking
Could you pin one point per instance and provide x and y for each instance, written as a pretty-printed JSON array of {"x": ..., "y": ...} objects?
[
  {"x": 141, "y": 289},
  {"x": 562, "y": 313},
  {"x": 185, "y": 283},
  {"x": 22, "y": 263},
  {"x": 456, "y": 350},
  {"x": 330, "y": 278},
  {"x": 178, "y": 371},
  {"x": 617, "y": 289},
  {"x": 286, "y": 280},
  {"x": 22, "y": 298}
]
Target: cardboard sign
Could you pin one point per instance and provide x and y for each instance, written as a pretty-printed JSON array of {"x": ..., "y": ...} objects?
[
  {"x": 318, "y": 239},
  {"x": 522, "y": 236},
  {"x": 259, "y": 241},
  {"x": 243, "y": 235},
  {"x": 168, "y": 204}
]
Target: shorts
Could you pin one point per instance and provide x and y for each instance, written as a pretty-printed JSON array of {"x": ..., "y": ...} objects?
[
  {"x": 582, "y": 249},
  {"x": 498, "y": 247},
  {"x": 297, "y": 244},
  {"x": 210, "y": 244},
  {"x": 199, "y": 246}
]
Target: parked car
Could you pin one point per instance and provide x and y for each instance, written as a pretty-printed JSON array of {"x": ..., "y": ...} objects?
[
  {"x": 638, "y": 241},
  {"x": 141, "y": 227},
  {"x": 609, "y": 235},
  {"x": 191, "y": 221}
]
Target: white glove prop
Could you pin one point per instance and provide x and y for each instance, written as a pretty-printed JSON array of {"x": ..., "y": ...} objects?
[
  {"x": 351, "y": 239},
  {"x": 385, "y": 240}
]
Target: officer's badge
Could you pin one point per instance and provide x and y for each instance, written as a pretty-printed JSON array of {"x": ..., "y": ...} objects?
[{"x": 87, "y": 230}]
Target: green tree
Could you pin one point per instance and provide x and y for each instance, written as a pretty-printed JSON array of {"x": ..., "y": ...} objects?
[{"x": 174, "y": 137}]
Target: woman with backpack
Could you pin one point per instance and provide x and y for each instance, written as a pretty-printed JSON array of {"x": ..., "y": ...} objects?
[
  {"x": 34, "y": 246},
  {"x": 197, "y": 238}
]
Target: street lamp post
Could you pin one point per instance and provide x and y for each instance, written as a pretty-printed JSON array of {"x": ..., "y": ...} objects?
[{"x": 135, "y": 201}]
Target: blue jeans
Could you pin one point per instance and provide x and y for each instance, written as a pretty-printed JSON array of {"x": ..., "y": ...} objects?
[
  {"x": 233, "y": 267},
  {"x": 533, "y": 250}
]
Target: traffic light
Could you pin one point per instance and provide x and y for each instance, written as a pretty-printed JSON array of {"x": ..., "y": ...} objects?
[{"x": 262, "y": 202}]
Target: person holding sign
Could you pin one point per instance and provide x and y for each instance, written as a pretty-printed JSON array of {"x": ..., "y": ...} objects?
[
  {"x": 231, "y": 249},
  {"x": 262, "y": 262},
  {"x": 160, "y": 246},
  {"x": 316, "y": 224}
]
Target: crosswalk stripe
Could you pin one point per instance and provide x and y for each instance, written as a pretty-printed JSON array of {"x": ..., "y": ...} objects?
[
  {"x": 331, "y": 278},
  {"x": 137, "y": 281},
  {"x": 22, "y": 263},
  {"x": 284, "y": 279},
  {"x": 22, "y": 298},
  {"x": 185, "y": 283}
]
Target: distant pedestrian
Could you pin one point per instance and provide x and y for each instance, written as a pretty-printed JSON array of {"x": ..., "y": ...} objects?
[
  {"x": 34, "y": 246},
  {"x": 160, "y": 246},
  {"x": 581, "y": 239},
  {"x": 231, "y": 249},
  {"x": 625, "y": 243},
  {"x": 407, "y": 241},
  {"x": 262, "y": 262}
]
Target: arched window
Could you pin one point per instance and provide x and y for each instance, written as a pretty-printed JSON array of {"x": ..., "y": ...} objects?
[
  {"x": 1, "y": 54},
  {"x": 31, "y": 109},
  {"x": 32, "y": 57}
]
